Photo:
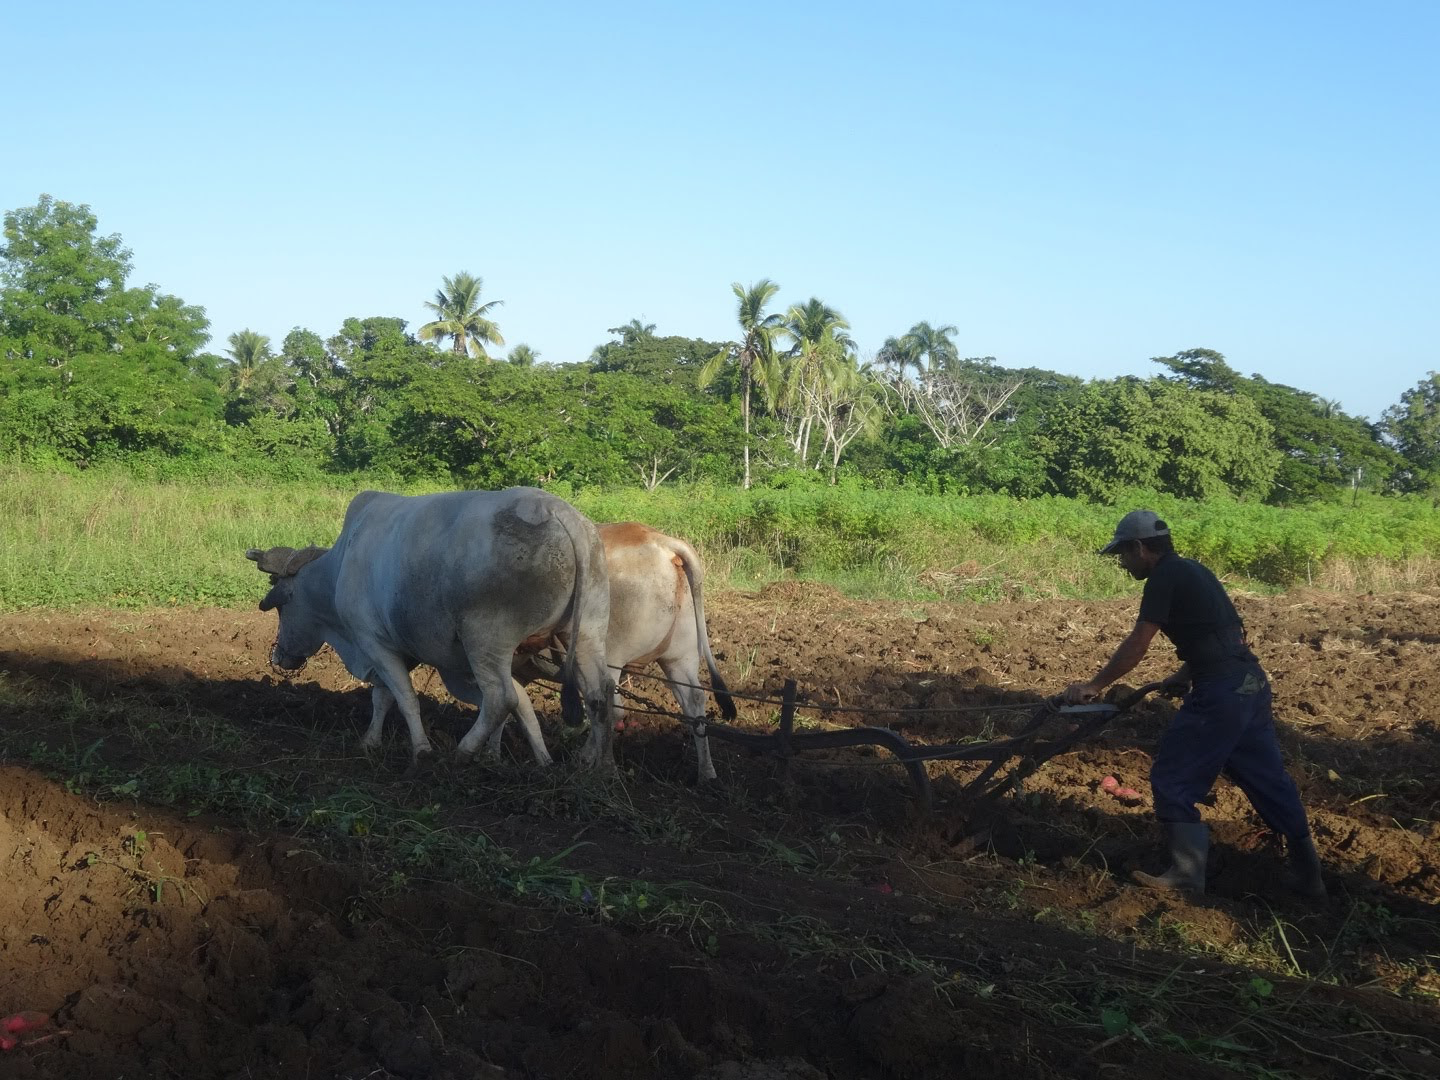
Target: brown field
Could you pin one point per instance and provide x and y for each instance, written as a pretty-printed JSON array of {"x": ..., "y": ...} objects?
[{"x": 784, "y": 923}]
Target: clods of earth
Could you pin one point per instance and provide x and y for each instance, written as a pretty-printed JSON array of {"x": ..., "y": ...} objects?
[{"x": 205, "y": 876}]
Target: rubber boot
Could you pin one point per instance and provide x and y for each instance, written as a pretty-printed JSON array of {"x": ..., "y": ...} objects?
[
  {"x": 1302, "y": 875},
  {"x": 1189, "y": 846}
]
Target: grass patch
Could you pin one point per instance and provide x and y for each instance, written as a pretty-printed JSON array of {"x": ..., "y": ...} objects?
[{"x": 105, "y": 537}]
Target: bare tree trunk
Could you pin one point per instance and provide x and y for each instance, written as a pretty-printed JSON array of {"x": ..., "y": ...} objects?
[
  {"x": 746, "y": 409},
  {"x": 655, "y": 477}
]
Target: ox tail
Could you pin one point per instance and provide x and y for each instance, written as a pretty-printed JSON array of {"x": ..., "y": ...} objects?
[
  {"x": 695, "y": 575},
  {"x": 572, "y": 701}
]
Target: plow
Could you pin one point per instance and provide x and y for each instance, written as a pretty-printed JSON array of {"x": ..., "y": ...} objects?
[{"x": 1053, "y": 728}]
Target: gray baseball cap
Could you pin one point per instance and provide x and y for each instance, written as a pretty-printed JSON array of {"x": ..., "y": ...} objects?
[{"x": 1136, "y": 525}]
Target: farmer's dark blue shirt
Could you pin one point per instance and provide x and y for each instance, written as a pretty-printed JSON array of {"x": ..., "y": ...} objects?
[{"x": 1195, "y": 612}]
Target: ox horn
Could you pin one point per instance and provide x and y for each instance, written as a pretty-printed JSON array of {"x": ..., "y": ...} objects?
[{"x": 284, "y": 561}]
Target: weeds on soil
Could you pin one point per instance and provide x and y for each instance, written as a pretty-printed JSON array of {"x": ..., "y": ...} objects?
[{"x": 420, "y": 832}]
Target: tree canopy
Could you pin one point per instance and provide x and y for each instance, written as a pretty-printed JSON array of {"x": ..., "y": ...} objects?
[{"x": 95, "y": 368}]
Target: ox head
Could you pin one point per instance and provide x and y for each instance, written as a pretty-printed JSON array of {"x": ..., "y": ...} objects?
[{"x": 297, "y": 640}]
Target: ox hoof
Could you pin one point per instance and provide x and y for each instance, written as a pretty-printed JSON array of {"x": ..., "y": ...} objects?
[{"x": 422, "y": 764}]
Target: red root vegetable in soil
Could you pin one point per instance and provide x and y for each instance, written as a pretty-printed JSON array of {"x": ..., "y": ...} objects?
[
  {"x": 19, "y": 1024},
  {"x": 1127, "y": 795}
]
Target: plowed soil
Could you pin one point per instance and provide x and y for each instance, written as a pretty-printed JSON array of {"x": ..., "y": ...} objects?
[{"x": 204, "y": 877}]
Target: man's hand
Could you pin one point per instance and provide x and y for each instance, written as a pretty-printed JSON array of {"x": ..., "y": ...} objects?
[
  {"x": 1175, "y": 686},
  {"x": 1078, "y": 693}
]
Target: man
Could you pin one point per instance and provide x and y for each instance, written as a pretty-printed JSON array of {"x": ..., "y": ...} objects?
[{"x": 1223, "y": 724}]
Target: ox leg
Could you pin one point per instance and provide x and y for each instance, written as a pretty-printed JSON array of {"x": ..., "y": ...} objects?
[
  {"x": 526, "y": 711},
  {"x": 497, "y": 702},
  {"x": 394, "y": 676},
  {"x": 685, "y": 684},
  {"x": 528, "y": 723},
  {"x": 486, "y": 731},
  {"x": 464, "y": 688},
  {"x": 601, "y": 694},
  {"x": 490, "y": 672},
  {"x": 493, "y": 743},
  {"x": 380, "y": 701}
]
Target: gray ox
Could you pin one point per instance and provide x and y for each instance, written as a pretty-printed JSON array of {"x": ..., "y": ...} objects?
[
  {"x": 657, "y": 614},
  {"x": 457, "y": 581}
]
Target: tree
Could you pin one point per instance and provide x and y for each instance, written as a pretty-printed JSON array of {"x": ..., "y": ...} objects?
[
  {"x": 260, "y": 383},
  {"x": 315, "y": 379},
  {"x": 169, "y": 324},
  {"x": 1413, "y": 425},
  {"x": 628, "y": 336},
  {"x": 817, "y": 373},
  {"x": 753, "y": 355},
  {"x": 60, "y": 282},
  {"x": 633, "y": 331},
  {"x": 956, "y": 402},
  {"x": 924, "y": 347},
  {"x": 1202, "y": 368},
  {"x": 248, "y": 350},
  {"x": 669, "y": 359},
  {"x": 461, "y": 317},
  {"x": 503, "y": 425},
  {"x": 113, "y": 369},
  {"x": 377, "y": 360},
  {"x": 1323, "y": 451},
  {"x": 844, "y": 402},
  {"x": 1195, "y": 444},
  {"x": 522, "y": 355},
  {"x": 811, "y": 323}
]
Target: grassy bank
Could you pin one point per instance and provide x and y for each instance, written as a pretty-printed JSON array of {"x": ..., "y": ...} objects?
[{"x": 104, "y": 537}]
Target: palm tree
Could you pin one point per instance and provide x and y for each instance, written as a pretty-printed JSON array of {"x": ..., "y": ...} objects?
[
  {"x": 523, "y": 355},
  {"x": 461, "y": 317},
  {"x": 898, "y": 355},
  {"x": 928, "y": 349},
  {"x": 633, "y": 331},
  {"x": 820, "y": 359},
  {"x": 934, "y": 344},
  {"x": 753, "y": 354},
  {"x": 248, "y": 349},
  {"x": 813, "y": 322}
]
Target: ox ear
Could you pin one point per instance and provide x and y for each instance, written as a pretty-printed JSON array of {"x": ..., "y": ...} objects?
[
  {"x": 278, "y": 595},
  {"x": 301, "y": 558}
]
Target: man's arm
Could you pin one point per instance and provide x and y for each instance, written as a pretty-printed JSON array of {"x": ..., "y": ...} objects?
[{"x": 1127, "y": 654}]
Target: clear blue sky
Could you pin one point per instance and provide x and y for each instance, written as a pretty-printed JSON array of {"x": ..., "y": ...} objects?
[{"x": 1075, "y": 186}]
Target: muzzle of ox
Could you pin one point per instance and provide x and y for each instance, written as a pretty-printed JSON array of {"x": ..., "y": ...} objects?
[{"x": 282, "y": 564}]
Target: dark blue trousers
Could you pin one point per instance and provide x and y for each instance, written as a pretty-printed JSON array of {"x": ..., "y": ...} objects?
[{"x": 1225, "y": 725}]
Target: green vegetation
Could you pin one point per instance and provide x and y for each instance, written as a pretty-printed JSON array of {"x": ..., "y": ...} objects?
[
  {"x": 95, "y": 371},
  {"x": 104, "y": 536}
]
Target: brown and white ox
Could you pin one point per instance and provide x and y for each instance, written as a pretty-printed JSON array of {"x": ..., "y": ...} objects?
[{"x": 657, "y": 615}]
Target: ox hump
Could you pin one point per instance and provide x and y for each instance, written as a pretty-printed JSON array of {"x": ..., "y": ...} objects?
[{"x": 533, "y": 508}]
